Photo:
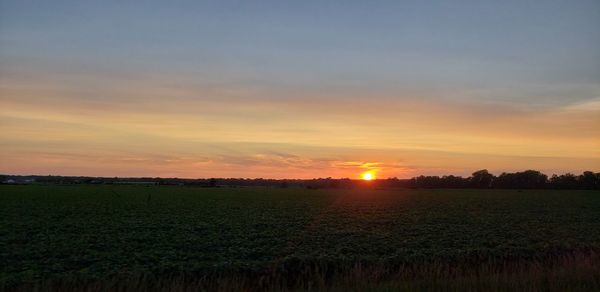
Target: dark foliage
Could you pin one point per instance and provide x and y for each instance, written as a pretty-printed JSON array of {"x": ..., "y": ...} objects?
[{"x": 528, "y": 179}]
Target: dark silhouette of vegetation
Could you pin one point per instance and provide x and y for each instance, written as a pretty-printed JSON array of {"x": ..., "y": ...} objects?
[
  {"x": 481, "y": 179},
  {"x": 529, "y": 179},
  {"x": 565, "y": 181},
  {"x": 212, "y": 182}
]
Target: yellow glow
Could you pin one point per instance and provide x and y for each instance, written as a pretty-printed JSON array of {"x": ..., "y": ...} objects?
[
  {"x": 47, "y": 128},
  {"x": 368, "y": 175}
]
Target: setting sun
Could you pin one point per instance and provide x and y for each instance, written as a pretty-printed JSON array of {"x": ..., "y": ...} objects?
[{"x": 367, "y": 175}]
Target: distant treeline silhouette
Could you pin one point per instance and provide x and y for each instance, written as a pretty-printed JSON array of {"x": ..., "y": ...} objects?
[{"x": 529, "y": 179}]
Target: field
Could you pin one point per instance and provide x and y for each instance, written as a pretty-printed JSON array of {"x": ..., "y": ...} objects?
[{"x": 181, "y": 238}]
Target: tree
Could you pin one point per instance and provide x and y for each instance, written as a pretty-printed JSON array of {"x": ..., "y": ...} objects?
[
  {"x": 589, "y": 180},
  {"x": 481, "y": 179},
  {"x": 529, "y": 179},
  {"x": 565, "y": 181}
]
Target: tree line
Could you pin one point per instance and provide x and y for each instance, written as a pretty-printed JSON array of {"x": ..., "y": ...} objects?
[
  {"x": 528, "y": 179},
  {"x": 481, "y": 179}
]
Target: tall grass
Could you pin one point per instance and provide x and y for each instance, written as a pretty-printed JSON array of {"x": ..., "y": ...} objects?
[{"x": 579, "y": 271}]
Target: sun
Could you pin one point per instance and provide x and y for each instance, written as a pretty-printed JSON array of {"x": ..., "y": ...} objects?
[{"x": 367, "y": 175}]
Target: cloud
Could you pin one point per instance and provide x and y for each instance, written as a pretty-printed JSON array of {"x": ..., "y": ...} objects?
[{"x": 592, "y": 105}]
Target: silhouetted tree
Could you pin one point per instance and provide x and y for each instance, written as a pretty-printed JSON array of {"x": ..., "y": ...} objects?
[
  {"x": 589, "y": 180},
  {"x": 565, "y": 181},
  {"x": 481, "y": 179},
  {"x": 529, "y": 179}
]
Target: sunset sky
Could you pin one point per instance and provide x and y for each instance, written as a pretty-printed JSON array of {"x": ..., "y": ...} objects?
[{"x": 298, "y": 89}]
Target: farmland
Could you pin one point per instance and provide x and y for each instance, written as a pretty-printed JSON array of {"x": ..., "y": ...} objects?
[{"x": 182, "y": 237}]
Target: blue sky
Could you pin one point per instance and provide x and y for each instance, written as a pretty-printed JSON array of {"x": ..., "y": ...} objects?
[{"x": 386, "y": 45}]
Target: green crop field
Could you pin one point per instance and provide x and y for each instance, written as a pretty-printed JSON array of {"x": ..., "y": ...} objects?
[{"x": 178, "y": 238}]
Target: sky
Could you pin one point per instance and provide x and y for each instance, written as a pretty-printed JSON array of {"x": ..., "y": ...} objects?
[{"x": 298, "y": 89}]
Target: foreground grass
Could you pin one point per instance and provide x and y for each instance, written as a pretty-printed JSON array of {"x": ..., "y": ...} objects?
[
  {"x": 168, "y": 238},
  {"x": 572, "y": 272}
]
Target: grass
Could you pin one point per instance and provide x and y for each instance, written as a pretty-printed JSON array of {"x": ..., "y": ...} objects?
[{"x": 177, "y": 238}]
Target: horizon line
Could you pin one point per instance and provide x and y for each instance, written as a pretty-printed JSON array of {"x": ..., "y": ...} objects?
[{"x": 266, "y": 178}]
